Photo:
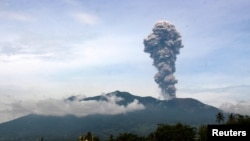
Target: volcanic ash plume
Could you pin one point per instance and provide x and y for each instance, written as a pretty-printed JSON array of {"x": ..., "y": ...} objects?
[{"x": 163, "y": 45}]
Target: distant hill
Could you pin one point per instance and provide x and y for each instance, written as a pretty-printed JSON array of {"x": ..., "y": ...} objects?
[{"x": 184, "y": 110}]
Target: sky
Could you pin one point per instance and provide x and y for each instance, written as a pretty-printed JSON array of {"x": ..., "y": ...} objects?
[{"x": 53, "y": 49}]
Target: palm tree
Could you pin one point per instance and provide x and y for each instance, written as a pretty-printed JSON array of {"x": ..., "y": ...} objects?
[
  {"x": 220, "y": 117},
  {"x": 231, "y": 119}
]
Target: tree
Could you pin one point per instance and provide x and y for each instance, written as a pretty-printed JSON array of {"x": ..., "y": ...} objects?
[
  {"x": 202, "y": 133},
  {"x": 129, "y": 137},
  {"x": 231, "y": 119},
  {"x": 220, "y": 117},
  {"x": 178, "y": 132},
  {"x": 81, "y": 138},
  {"x": 41, "y": 139},
  {"x": 242, "y": 119},
  {"x": 88, "y": 137},
  {"x": 111, "y": 138}
]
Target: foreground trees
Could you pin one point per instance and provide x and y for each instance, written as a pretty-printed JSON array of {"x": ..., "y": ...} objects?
[
  {"x": 164, "y": 132},
  {"x": 177, "y": 132},
  {"x": 231, "y": 120},
  {"x": 220, "y": 117},
  {"x": 88, "y": 137},
  {"x": 238, "y": 119}
]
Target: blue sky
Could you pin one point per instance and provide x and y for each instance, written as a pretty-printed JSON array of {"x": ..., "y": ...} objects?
[{"x": 57, "y": 48}]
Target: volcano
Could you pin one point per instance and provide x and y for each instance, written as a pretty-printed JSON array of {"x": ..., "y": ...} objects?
[{"x": 143, "y": 121}]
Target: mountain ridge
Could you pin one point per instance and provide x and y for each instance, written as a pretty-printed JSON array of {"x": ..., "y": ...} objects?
[
  {"x": 142, "y": 121},
  {"x": 180, "y": 102}
]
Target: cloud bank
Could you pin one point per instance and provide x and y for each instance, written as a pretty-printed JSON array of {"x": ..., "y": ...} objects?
[
  {"x": 232, "y": 99},
  {"x": 76, "y": 107},
  {"x": 241, "y": 107}
]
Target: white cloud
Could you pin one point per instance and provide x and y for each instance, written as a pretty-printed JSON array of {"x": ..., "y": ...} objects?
[
  {"x": 53, "y": 68},
  {"x": 85, "y": 18},
  {"x": 60, "y": 107},
  {"x": 46, "y": 59},
  {"x": 223, "y": 97},
  {"x": 111, "y": 49},
  {"x": 241, "y": 107}
]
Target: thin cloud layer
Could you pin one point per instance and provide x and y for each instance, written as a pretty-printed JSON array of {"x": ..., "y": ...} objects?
[
  {"x": 16, "y": 16},
  {"x": 55, "y": 107},
  {"x": 241, "y": 107},
  {"x": 228, "y": 99},
  {"x": 85, "y": 18}
]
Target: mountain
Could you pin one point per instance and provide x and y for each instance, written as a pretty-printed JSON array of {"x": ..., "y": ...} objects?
[{"x": 142, "y": 121}]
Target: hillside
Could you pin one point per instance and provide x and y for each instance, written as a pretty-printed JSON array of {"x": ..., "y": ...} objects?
[{"x": 144, "y": 121}]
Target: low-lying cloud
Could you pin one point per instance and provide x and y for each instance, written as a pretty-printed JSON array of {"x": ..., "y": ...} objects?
[
  {"x": 232, "y": 99},
  {"x": 241, "y": 107},
  {"x": 55, "y": 107}
]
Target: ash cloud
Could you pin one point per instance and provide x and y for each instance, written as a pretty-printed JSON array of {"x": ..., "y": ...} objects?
[{"x": 163, "y": 45}]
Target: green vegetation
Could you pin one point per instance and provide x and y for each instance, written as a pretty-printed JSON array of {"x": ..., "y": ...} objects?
[
  {"x": 161, "y": 132},
  {"x": 140, "y": 122},
  {"x": 220, "y": 117},
  {"x": 177, "y": 132},
  {"x": 164, "y": 132}
]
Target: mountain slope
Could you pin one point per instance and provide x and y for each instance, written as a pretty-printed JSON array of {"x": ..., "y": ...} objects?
[
  {"x": 144, "y": 121},
  {"x": 179, "y": 106}
]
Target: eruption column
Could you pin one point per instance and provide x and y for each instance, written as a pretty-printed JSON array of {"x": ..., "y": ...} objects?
[{"x": 163, "y": 45}]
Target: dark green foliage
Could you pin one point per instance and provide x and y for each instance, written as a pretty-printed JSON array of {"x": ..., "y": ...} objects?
[
  {"x": 164, "y": 132},
  {"x": 141, "y": 123},
  {"x": 231, "y": 119},
  {"x": 88, "y": 137},
  {"x": 238, "y": 119},
  {"x": 128, "y": 137},
  {"x": 220, "y": 117},
  {"x": 111, "y": 138},
  {"x": 178, "y": 132},
  {"x": 202, "y": 133}
]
